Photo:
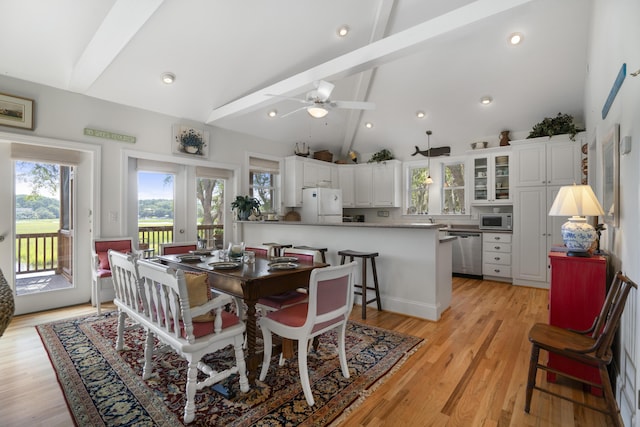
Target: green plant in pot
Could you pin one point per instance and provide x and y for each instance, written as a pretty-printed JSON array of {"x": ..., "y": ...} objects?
[
  {"x": 559, "y": 125},
  {"x": 244, "y": 205},
  {"x": 381, "y": 156}
]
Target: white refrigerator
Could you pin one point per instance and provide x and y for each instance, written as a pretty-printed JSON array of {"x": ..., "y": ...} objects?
[{"x": 321, "y": 205}]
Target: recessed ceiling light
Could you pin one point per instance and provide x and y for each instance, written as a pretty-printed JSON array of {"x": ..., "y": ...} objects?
[
  {"x": 486, "y": 100},
  {"x": 368, "y": 125},
  {"x": 420, "y": 114},
  {"x": 515, "y": 38},
  {"x": 343, "y": 31},
  {"x": 272, "y": 113},
  {"x": 168, "y": 78}
]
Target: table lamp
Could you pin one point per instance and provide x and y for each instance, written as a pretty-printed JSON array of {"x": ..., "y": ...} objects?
[{"x": 577, "y": 201}]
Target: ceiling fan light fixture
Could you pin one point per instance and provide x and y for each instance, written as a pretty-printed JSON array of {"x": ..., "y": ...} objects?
[
  {"x": 317, "y": 112},
  {"x": 168, "y": 78},
  {"x": 343, "y": 31},
  {"x": 486, "y": 100},
  {"x": 515, "y": 38}
]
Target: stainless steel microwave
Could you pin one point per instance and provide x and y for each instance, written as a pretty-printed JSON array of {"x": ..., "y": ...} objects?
[{"x": 496, "y": 221}]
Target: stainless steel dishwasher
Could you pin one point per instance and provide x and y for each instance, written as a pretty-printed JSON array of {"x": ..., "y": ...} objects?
[{"x": 467, "y": 253}]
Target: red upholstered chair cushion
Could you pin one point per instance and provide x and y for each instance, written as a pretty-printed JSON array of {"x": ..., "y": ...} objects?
[
  {"x": 261, "y": 252},
  {"x": 284, "y": 299},
  {"x": 102, "y": 248},
  {"x": 200, "y": 329},
  {"x": 182, "y": 249}
]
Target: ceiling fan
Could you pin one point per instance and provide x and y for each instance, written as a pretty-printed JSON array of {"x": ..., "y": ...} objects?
[{"x": 318, "y": 104}]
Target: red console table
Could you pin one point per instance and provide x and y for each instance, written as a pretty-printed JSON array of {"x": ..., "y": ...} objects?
[{"x": 576, "y": 295}]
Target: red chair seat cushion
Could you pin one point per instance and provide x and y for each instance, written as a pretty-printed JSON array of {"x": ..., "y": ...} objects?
[
  {"x": 203, "y": 328},
  {"x": 284, "y": 299}
]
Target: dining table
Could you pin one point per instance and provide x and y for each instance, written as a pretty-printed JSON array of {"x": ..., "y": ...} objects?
[{"x": 249, "y": 281}]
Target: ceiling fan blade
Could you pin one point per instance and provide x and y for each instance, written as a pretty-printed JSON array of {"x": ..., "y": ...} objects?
[
  {"x": 304, "y": 101},
  {"x": 291, "y": 112},
  {"x": 324, "y": 90},
  {"x": 354, "y": 105}
]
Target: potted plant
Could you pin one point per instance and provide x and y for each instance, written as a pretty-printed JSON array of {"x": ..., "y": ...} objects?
[
  {"x": 381, "y": 156},
  {"x": 244, "y": 205},
  {"x": 559, "y": 125},
  {"x": 191, "y": 141}
]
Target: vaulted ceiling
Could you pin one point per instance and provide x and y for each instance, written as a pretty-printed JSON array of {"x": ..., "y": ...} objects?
[{"x": 435, "y": 56}]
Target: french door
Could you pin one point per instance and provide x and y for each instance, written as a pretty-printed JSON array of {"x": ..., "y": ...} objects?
[{"x": 61, "y": 253}]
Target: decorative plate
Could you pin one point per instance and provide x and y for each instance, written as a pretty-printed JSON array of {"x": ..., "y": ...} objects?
[
  {"x": 224, "y": 265},
  {"x": 280, "y": 259},
  {"x": 283, "y": 266},
  {"x": 189, "y": 258},
  {"x": 205, "y": 252}
]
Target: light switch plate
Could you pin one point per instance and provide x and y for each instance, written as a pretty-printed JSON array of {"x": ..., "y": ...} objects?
[{"x": 625, "y": 145}]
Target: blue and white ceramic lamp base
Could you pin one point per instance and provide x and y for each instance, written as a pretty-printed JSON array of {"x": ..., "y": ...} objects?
[{"x": 578, "y": 236}]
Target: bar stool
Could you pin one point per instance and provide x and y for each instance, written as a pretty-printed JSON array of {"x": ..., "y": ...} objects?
[
  {"x": 277, "y": 247},
  {"x": 309, "y": 248},
  {"x": 372, "y": 257}
]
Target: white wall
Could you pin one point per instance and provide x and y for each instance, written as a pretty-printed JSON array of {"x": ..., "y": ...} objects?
[
  {"x": 64, "y": 115},
  {"x": 614, "y": 40}
]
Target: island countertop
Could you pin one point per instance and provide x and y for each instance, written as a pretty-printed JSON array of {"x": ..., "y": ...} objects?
[{"x": 414, "y": 225}]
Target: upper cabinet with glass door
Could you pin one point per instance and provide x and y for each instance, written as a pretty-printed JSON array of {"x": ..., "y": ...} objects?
[{"x": 491, "y": 179}]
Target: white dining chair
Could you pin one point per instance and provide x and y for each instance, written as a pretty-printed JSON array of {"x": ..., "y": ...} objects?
[{"x": 328, "y": 308}]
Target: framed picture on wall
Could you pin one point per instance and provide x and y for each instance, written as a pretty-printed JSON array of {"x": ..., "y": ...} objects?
[
  {"x": 611, "y": 176},
  {"x": 16, "y": 111},
  {"x": 190, "y": 141}
]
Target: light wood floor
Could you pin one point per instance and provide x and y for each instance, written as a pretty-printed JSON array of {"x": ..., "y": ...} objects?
[{"x": 471, "y": 371}]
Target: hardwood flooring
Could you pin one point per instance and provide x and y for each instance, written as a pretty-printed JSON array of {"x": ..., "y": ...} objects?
[{"x": 470, "y": 371}]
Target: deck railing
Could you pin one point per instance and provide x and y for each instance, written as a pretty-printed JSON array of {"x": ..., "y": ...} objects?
[{"x": 38, "y": 252}]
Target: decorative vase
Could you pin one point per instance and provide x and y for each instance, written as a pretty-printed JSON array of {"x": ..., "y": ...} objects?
[
  {"x": 191, "y": 149},
  {"x": 578, "y": 235}
]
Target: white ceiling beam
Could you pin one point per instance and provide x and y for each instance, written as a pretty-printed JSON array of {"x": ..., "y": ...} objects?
[
  {"x": 123, "y": 21},
  {"x": 383, "y": 51},
  {"x": 354, "y": 117}
]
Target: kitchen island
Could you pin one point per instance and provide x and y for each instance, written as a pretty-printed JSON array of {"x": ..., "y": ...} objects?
[{"x": 414, "y": 262}]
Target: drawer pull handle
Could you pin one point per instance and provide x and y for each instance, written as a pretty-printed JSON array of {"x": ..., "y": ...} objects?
[
  {"x": 496, "y": 247},
  {"x": 497, "y": 238},
  {"x": 496, "y": 270},
  {"x": 497, "y": 258}
]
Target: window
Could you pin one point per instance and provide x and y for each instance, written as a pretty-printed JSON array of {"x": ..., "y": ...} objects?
[
  {"x": 418, "y": 202},
  {"x": 264, "y": 176},
  {"x": 453, "y": 201}
]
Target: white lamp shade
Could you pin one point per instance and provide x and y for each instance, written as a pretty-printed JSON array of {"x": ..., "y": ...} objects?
[{"x": 576, "y": 200}]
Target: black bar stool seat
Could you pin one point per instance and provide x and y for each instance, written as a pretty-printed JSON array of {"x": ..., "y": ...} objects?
[
  {"x": 371, "y": 256},
  {"x": 309, "y": 248}
]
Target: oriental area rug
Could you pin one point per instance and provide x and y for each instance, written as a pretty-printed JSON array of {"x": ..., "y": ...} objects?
[{"x": 105, "y": 387}]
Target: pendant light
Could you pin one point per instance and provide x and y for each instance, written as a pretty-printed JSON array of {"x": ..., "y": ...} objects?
[{"x": 429, "y": 179}]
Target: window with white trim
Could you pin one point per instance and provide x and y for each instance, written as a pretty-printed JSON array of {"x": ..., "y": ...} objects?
[
  {"x": 418, "y": 189},
  {"x": 453, "y": 195},
  {"x": 264, "y": 178}
]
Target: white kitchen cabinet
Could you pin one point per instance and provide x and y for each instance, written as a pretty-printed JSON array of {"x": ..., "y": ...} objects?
[
  {"x": 496, "y": 256},
  {"x": 346, "y": 178},
  {"x": 492, "y": 179},
  {"x": 386, "y": 184},
  {"x": 534, "y": 233},
  {"x": 363, "y": 185},
  {"x": 541, "y": 167},
  {"x": 378, "y": 184},
  {"x": 547, "y": 161},
  {"x": 300, "y": 172},
  {"x": 317, "y": 173}
]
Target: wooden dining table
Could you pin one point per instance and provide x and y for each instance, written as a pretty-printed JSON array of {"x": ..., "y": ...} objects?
[{"x": 249, "y": 282}]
